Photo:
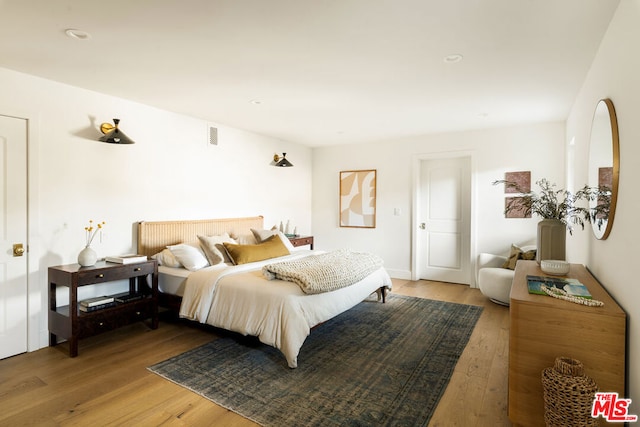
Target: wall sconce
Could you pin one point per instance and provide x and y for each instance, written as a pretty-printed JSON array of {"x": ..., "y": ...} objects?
[
  {"x": 113, "y": 135},
  {"x": 281, "y": 162}
]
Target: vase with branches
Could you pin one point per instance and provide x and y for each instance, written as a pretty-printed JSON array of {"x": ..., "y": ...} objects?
[{"x": 559, "y": 206}]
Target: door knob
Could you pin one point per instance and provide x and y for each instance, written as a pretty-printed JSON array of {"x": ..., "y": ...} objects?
[
  {"x": 423, "y": 226},
  {"x": 18, "y": 249}
]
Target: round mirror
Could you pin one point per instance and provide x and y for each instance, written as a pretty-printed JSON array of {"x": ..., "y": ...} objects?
[{"x": 604, "y": 167}]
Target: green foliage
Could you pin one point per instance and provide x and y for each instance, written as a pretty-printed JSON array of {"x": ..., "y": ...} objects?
[{"x": 560, "y": 204}]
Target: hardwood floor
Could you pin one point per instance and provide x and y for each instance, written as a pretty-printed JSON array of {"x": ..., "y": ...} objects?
[{"x": 108, "y": 383}]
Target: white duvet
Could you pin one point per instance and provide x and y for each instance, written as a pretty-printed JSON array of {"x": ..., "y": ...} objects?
[{"x": 240, "y": 299}]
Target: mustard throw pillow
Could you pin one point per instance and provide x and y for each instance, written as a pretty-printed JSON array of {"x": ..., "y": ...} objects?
[{"x": 270, "y": 248}]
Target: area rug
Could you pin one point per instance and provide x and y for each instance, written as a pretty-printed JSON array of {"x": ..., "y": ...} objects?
[{"x": 376, "y": 364}]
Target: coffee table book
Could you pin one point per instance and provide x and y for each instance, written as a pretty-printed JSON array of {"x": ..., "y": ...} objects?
[
  {"x": 571, "y": 286},
  {"x": 126, "y": 259}
]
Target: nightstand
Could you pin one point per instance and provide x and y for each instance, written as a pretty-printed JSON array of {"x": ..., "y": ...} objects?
[
  {"x": 302, "y": 241},
  {"x": 71, "y": 323}
]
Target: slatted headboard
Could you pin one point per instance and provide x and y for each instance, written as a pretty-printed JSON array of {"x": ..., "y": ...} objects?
[{"x": 153, "y": 236}]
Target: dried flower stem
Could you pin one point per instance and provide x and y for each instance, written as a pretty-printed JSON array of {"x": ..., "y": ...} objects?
[{"x": 91, "y": 231}]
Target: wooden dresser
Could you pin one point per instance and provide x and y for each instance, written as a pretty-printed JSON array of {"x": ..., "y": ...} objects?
[{"x": 543, "y": 328}]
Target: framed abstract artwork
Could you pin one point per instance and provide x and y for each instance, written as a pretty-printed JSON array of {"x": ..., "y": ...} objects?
[
  {"x": 523, "y": 179},
  {"x": 515, "y": 208},
  {"x": 358, "y": 198}
]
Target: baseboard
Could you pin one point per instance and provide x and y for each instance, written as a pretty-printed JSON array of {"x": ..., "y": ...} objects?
[{"x": 399, "y": 274}]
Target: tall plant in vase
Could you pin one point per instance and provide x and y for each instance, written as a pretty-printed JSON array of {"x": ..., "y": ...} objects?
[
  {"x": 88, "y": 257},
  {"x": 560, "y": 210}
]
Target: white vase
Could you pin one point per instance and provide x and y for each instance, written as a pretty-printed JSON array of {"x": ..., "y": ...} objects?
[
  {"x": 552, "y": 238},
  {"x": 87, "y": 257}
]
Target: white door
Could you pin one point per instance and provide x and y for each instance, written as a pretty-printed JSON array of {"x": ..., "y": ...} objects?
[
  {"x": 444, "y": 220},
  {"x": 13, "y": 228}
]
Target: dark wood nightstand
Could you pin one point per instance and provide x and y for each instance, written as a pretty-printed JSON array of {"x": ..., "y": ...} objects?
[
  {"x": 302, "y": 241},
  {"x": 71, "y": 323}
]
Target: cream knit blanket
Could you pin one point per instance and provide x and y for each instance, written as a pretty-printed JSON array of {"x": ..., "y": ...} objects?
[{"x": 325, "y": 272}]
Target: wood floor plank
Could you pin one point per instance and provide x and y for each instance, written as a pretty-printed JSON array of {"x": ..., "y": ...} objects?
[{"x": 108, "y": 383}]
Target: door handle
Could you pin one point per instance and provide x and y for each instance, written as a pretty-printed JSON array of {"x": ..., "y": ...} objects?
[
  {"x": 422, "y": 226},
  {"x": 18, "y": 249}
]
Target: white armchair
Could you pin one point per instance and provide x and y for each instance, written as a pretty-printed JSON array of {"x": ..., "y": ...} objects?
[{"x": 493, "y": 280}]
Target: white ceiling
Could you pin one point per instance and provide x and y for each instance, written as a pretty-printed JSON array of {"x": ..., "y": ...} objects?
[{"x": 319, "y": 72}]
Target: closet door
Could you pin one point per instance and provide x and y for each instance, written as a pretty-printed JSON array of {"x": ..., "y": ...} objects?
[
  {"x": 13, "y": 232},
  {"x": 444, "y": 218}
]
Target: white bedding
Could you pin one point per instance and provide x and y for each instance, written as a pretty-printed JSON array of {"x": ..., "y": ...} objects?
[
  {"x": 240, "y": 299},
  {"x": 172, "y": 280}
]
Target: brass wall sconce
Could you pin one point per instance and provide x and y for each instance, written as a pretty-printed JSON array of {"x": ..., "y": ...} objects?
[
  {"x": 113, "y": 135},
  {"x": 281, "y": 161}
]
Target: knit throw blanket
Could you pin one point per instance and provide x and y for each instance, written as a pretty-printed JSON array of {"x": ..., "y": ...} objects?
[{"x": 325, "y": 272}]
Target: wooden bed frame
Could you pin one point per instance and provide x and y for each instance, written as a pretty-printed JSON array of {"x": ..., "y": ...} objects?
[{"x": 154, "y": 236}]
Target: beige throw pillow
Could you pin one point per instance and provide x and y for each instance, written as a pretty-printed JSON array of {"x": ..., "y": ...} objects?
[
  {"x": 167, "y": 259},
  {"x": 213, "y": 248},
  {"x": 262, "y": 235}
]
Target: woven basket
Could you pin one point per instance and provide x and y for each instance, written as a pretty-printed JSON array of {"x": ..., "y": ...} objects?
[{"x": 568, "y": 394}]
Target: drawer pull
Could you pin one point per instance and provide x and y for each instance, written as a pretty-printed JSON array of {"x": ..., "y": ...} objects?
[
  {"x": 137, "y": 313},
  {"x": 99, "y": 276},
  {"x": 101, "y": 324},
  {"x": 137, "y": 269}
]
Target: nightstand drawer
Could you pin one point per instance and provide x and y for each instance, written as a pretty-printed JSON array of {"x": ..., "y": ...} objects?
[
  {"x": 301, "y": 241},
  {"x": 115, "y": 317},
  {"x": 119, "y": 272}
]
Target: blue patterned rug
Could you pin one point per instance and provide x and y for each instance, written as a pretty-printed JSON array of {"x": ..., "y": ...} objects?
[{"x": 374, "y": 365}]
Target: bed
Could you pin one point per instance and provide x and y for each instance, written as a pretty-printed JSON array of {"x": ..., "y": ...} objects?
[{"x": 240, "y": 298}]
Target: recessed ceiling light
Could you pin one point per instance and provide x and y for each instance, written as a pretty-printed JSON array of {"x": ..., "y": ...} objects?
[
  {"x": 256, "y": 102},
  {"x": 77, "y": 34},
  {"x": 450, "y": 59}
]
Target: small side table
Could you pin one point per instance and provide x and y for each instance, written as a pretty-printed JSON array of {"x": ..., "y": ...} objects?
[
  {"x": 302, "y": 241},
  {"x": 73, "y": 324}
]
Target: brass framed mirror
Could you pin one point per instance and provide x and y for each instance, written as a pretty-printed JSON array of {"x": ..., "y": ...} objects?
[{"x": 604, "y": 166}]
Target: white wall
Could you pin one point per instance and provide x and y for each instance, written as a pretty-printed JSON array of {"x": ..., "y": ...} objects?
[
  {"x": 536, "y": 148},
  {"x": 170, "y": 173},
  {"x": 614, "y": 74}
]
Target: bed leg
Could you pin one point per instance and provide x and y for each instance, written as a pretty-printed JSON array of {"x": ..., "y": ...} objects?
[{"x": 383, "y": 291}]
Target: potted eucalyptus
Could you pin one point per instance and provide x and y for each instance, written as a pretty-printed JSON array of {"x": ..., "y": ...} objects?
[{"x": 560, "y": 211}]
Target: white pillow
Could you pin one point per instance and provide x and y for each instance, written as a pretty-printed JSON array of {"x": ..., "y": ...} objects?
[
  {"x": 213, "y": 248},
  {"x": 166, "y": 258},
  {"x": 190, "y": 256},
  {"x": 262, "y": 235}
]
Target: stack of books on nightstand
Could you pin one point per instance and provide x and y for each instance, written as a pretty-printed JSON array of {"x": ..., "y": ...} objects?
[
  {"x": 127, "y": 297},
  {"x": 96, "y": 303}
]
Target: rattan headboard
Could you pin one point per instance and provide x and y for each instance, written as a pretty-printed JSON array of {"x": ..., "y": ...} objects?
[{"x": 153, "y": 236}]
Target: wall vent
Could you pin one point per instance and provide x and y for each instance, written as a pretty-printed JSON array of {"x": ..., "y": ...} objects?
[{"x": 213, "y": 135}]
